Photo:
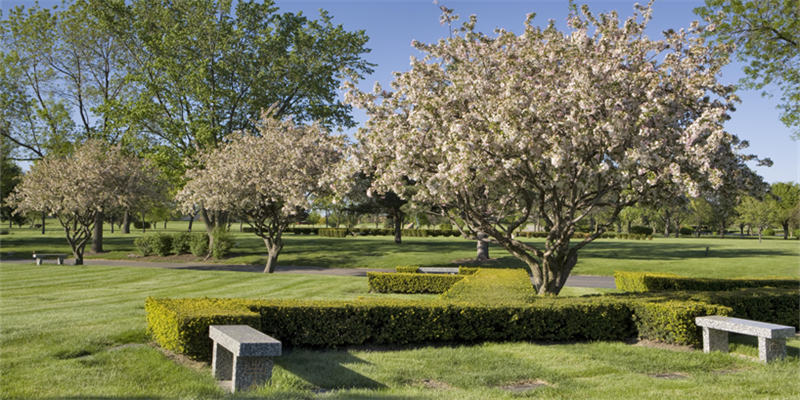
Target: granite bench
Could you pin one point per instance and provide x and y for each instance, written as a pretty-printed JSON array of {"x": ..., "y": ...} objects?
[
  {"x": 242, "y": 355},
  {"x": 435, "y": 270},
  {"x": 771, "y": 337},
  {"x": 59, "y": 258}
]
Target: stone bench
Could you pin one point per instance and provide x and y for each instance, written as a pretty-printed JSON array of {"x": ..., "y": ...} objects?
[
  {"x": 60, "y": 258},
  {"x": 435, "y": 270},
  {"x": 771, "y": 337},
  {"x": 242, "y": 355}
]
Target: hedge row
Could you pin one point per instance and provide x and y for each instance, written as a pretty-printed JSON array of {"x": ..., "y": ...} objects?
[
  {"x": 164, "y": 244},
  {"x": 383, "y": 282},
  {"x": 181, "y": 325},
  {"x": 650, "y": 282},
  {"x": 493, "y": 287}
]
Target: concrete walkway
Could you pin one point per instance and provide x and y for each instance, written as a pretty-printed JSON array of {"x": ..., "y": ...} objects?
[{"x": 605, "y": 282}]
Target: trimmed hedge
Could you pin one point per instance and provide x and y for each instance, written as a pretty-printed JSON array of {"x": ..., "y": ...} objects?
[
  {"x": 673, "y": 321},
  {"x": 383, "y": 282},
  {"x": 336, "y": 233},
  {"x": 493, "y": 286},
  {"x": 649, "y": 282},
  {"x": 182, "y": 324},
  {"x": 407, "y": 270}
]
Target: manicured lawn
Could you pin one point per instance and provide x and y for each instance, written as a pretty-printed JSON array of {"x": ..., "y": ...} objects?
[
  {"x": 79, "y": 332},
  {"x": 727, "y": 258}
]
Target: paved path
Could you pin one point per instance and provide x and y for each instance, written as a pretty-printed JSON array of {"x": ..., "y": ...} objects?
[{"x": 573, "y": 280}]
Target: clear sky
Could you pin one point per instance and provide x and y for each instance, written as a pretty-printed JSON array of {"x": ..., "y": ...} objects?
[{"x": 392, "y": 25}]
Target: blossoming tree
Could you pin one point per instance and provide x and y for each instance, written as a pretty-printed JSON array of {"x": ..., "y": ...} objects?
[
  {"x": 75, "y": 188},
  {"x": 269, "y": 177},
  {"x": 558, "y": 124}
]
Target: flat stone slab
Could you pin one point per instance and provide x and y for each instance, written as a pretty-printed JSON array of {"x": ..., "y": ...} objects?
[
  {"x": 443, "y": 270},
  {"x": 745, "y": 327},
  {"x": 244, "y": 341}
]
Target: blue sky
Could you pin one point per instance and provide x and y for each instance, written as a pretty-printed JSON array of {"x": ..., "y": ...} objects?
[{"x": 392, "y": 25}]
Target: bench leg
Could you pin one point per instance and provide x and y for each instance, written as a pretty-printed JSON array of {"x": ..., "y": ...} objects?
[
  {"x": 249, "y": 372},
  {"x": 714, "y": 340},
  {"x": 222, "y": 363},
  {"x": 771, "y": 349},
  {"x": 60, "y": 261},
  {"x": 38, "y": 261}
]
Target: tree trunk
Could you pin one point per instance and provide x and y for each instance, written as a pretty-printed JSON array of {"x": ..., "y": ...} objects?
[
  {"x": 722, "y": 229},
  {"x": 274, "y": 248},
  {"x": 482, "y": 247},
  {"x": 191, "y": 220},
  {"x": 43, "y": 215},
  {"x": 760, "y": 229},
  {"x": 144, "y": 223},
  {"x": 165, "y": 223},
  {"x": 741, "y": 230},
  {"x": 112, "y": 224},
  {"x": 126, "y": 222},
  {"x": 629, "y": 227},
  {"x": 209, "y": 223},
  {"x": 785, "y": 230},
  {"x": 398, "y": 228},
  {"x": 97, "y": 234}
]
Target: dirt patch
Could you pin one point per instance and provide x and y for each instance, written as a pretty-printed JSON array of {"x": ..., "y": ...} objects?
[
  {"x": 660, "y": 345},
  {"x": 525, "y": 385},
  {"x": 670, "y": 375},
  {"x": 181, "y": 359},
  {"x": 433, "y": 384}
]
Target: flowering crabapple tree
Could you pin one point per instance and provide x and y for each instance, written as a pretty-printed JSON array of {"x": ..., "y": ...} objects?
[
  {"x": 270, "y": 177},
  {"x": 76, "y": 187},
  {"x": 553, "y": 123}
]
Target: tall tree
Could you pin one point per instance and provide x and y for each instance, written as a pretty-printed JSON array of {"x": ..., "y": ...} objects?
[
  {"x": 785, "y": 197},
  {"x": 767, "y": 35},
  {"x": 76, "y": 187},
  {"x": 757, "y": 213},
  {"x": 269, "y": 177},
  {"x": 567, "y": 122},
  {"x": 207, "y": 69}
]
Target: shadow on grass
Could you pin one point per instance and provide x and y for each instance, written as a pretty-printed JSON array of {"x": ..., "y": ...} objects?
[
  {"x": 633, "y": 250},
  {"x": 737, "y": 340},
  {"x": 328, "y": 372}
]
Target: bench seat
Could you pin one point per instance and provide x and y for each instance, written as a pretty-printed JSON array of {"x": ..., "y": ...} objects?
[
  {"x": 771, "y": 337},
  {"x": 242, "y": 355},
  {"x": 60, "y": 258}
]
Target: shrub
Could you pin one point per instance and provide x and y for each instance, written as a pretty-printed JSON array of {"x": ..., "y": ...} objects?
[
  {"x": 199, "y": 244},
  {"x": 4, "y": 231},
  {"x": 467, "y": 270},
  {"x": 331, "y": 232},
  {"x": 407, "y": 270},
  {"x": 686, "y": 231},
  {"x": 223, "y": 242},
  {"x": 446, "y": 226},
  {"x": 649, "y": 282},
  {"x": 144, "y": 245},
  {"x": 383, "y": 282},
  {"x": 138, "y": 225},
  {"x": 493, "y": 286},
  {"x": 768, "y": 232},
  {"x": 182, "y": 243},
  {"x": 673, "y": 321},
  {"x": 641, "y": 230},
  {"x": 161, "y": 244}
]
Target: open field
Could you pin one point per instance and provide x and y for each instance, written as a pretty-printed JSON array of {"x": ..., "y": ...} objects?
[
  {"x": 729, "y": 257},
  {"x": 79, "y": 332}
]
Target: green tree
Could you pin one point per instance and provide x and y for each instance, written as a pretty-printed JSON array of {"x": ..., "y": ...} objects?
[
  {"x": 757, "y": 213},
  {"x": 767, "y": 34},
  {"x": 785, "y": 199},
  {"x": 206, "y": 69},
  {"x": 10, "y": 176}
]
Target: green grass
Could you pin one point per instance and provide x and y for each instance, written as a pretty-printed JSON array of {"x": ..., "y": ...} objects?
[
  {"x": 727, "y": 258},
  {"x": 64, "y": 331}
]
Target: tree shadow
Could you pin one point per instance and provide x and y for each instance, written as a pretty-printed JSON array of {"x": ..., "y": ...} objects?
[{"x": 328, "y": 371}]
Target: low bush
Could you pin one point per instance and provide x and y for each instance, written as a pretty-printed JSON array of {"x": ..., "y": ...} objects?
[
  {"x": 686, "y": 231},
  {"x": 144, "y": 244},
  {"x": 332, "y": 232},
  {"x": 139, "y": 225},
  {"x": 223, "y": 242},
  {"x": 199, "y": 244},
  {"x": 387, "y": 282},
  {"x": 673, "y": 321},
  {"x": 493, "y": 287},
  {"x": 445, "y": 226},
  {"x": 407, "y": 270},
  {"x": 161, "y": 244},
  {"x": 641, "y": 230},
  {"x": 649, "y": 282},
  {"x": 768, "y": 232},
  {"x": 5, "y": 231},
  {"x": 182, "y": 243}
]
